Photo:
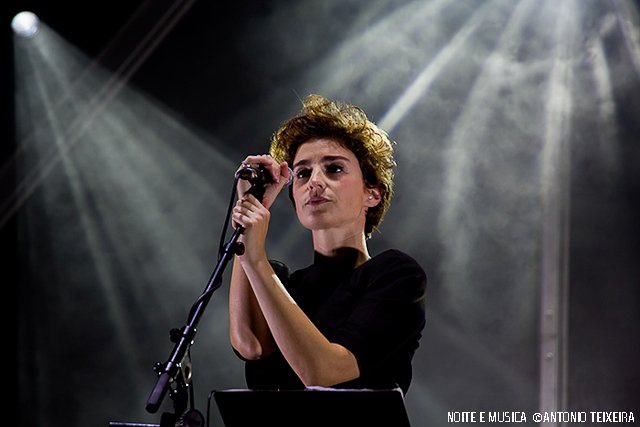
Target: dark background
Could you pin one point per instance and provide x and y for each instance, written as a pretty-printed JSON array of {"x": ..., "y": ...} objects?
[{"x": 117, "y": 236}]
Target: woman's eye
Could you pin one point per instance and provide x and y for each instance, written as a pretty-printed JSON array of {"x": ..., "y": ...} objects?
[
  {"x": 334, "y": 169},
  {"x": 302, "y": 173}
]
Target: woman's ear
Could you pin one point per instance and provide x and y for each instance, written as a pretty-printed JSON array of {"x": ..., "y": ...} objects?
[{"x": 372, "y": 197}]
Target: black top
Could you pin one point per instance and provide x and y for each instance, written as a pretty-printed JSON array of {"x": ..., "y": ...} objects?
[{"x": 377, "y": 311}]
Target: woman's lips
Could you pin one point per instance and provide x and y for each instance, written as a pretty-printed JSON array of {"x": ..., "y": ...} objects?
[{"x": 315, "y": 201}]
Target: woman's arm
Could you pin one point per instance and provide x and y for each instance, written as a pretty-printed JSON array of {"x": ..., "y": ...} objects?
[
  {"x": 248, "y": 330},
  {"x": 316, "y": 361}
]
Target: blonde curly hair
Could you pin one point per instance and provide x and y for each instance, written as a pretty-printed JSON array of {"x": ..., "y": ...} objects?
[{"x": 349, "y": 126}]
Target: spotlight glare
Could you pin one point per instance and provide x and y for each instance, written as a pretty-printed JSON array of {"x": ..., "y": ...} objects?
[{"x": 25, "y": 24}]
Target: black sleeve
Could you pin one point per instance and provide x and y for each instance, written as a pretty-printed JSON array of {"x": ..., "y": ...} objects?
[
  {"x": 282, "y": 271},
  {"x": 390, "y": 314}
]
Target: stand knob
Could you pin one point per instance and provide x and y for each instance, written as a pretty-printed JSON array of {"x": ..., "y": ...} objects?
[
  {"x": 238, "y": 248},
  {"x": 192, "y": 418}
]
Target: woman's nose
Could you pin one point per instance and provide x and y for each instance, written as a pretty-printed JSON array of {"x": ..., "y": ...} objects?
[{"x": 317, "y": 178}]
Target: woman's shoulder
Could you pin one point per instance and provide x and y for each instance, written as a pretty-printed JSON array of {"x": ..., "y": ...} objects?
[
  {"x": 394, "y": 266},
  {"x": 394, "y": 258},
  {"x": 391, "y": 273}
]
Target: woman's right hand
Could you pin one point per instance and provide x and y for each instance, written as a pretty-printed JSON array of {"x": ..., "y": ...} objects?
[{"x": 254, "y": 217}]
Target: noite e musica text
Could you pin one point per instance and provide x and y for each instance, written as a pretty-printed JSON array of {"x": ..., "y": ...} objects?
[{"x": 521, "y": 417}]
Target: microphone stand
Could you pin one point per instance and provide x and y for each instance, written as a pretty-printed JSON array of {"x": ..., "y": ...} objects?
[{"x": 177, "y": 369}]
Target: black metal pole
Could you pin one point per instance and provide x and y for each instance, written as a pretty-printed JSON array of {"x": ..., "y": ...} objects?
[{"x": 168, "y": 372}]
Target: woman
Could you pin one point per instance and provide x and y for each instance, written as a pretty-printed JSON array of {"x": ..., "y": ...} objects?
[{"x": 348, "y": 320}]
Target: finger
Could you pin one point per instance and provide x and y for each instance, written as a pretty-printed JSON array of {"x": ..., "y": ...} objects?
[
  {"x": 251, "y": 161},
  {"x": 285, "y": 171},
  {"x": 239, "y": 210},
  {"x": 248, "y": 208},
  {"x": 238, "y": 221},
  {"x": 247, "y": 218},
  {"x": 250, "y": 201},
  {"x": 237, "y": 214},
  {"x": 263, "y": 159},
  {"x": 237, "y": 217},
  {"x": 244, "y": 210},
  {"x": 268, "y": 162}
]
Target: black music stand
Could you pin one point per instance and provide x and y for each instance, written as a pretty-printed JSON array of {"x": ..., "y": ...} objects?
[{"x": 312, "y": 407}]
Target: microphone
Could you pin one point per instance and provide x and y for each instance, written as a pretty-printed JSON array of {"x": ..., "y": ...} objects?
[{"x": 259, "y": 177}]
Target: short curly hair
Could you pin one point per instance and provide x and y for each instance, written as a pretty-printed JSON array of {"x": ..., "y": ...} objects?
[{"x": 349, "y": 126}]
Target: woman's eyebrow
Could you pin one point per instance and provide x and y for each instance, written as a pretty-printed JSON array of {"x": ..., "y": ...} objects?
[
  {"x": 301, "y": 163},
  {"x": 325, "y": 159},
  {"x": 334, "y": 158}
]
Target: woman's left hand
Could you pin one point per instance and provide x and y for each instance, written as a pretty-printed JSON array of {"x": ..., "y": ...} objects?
[{"x": 280, "y": 173}]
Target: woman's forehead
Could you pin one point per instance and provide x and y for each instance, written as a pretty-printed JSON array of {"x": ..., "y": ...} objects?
[{"x": 322, "y": 147}]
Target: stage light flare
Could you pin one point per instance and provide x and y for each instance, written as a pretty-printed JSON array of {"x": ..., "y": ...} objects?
[{"x": 25, "y": 24}]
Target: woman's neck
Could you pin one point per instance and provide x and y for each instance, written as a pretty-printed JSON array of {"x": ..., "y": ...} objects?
[{"x": 330, "y": 243}]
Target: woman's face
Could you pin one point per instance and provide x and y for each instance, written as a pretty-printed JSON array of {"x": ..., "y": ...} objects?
[{"x": 328, "y": 187}]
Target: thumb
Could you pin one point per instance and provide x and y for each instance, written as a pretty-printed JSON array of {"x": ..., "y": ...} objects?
[
  {"x": 266, "y": 202},
  {"x": 285, "y": 171}
]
